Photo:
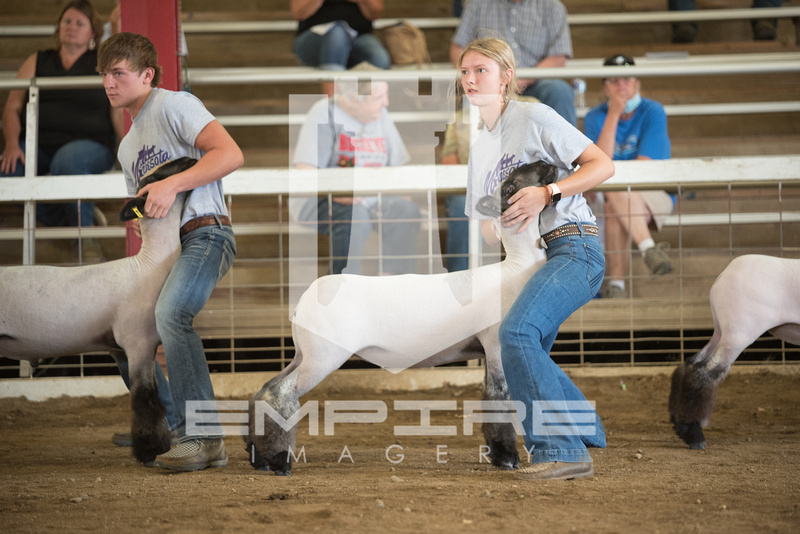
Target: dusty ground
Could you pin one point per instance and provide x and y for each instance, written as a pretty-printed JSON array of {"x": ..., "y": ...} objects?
[{"x": 60, "y": 472}]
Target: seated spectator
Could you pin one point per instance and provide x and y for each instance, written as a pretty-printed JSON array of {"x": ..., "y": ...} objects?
[
  {"x": 538, "y": 33},
  {"x": 337, "y": 34},
  {"x": 332, "y": 137},
  {"x": 78, "y": 129},
  {"x": 686, "y": 32},
  {"x": 628, "y": 127}
]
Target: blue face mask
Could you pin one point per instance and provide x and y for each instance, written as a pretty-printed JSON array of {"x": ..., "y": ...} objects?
[{"x": 633, "y": 103}]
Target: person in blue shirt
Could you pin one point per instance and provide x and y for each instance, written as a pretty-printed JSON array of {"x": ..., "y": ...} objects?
[{"x": 629, "y": 127}]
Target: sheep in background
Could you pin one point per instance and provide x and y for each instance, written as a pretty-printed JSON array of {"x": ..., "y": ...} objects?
[
  {"x": 49, "y": 311},
  {"x": 753, "y": 295}
]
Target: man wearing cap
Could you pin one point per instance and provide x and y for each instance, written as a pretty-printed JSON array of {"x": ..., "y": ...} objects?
[{"x": 629, "y": 127}]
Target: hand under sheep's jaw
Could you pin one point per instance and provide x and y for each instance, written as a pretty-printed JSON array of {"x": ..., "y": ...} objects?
[{"x": 531, "y": 174}]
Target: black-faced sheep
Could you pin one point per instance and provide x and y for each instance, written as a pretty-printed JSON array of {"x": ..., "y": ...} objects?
[{"x": 753, "y": 295}]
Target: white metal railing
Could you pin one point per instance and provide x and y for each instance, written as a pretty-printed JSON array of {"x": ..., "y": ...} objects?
[
  {"x": 580, "y": 19},
  {"x": 721, "y": 174}
]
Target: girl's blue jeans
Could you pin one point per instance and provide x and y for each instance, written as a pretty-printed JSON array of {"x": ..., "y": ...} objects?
[
  {"x": 336, "y": 50},
  {"x": 570, "y": 278}
]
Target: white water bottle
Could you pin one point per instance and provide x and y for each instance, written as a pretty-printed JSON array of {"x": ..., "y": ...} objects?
[{"x": 579, "y": 86}]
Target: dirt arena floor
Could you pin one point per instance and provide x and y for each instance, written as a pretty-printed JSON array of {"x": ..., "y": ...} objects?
[{"x": 59, "y": 472}]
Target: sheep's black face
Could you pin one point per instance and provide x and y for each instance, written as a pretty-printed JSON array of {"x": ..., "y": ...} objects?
[
  {"x": 134, "y": 208},
  {"x": 539, "y": 173}
]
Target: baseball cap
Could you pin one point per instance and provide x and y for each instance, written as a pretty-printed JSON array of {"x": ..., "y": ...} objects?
[{"x": 619, "y": 60}]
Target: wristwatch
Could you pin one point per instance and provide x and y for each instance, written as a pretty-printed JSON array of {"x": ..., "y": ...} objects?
[{"x": 555, "y": 193}]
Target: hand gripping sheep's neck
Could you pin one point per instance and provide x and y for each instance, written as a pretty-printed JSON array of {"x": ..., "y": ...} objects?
[
  {"x": 753, "y": 295},
  {"x": 49, "y": 311},
  {"x": 405, "y": 321}
]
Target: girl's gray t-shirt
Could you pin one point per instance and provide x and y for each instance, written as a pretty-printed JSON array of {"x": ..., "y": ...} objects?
[{"x": 528, "y": 132}]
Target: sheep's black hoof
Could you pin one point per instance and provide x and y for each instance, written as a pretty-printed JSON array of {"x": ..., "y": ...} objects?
[
  {"x": 503, "y": 458},
  {"x": 691, "y": 434},
  {"x": 280, "y": 464}
]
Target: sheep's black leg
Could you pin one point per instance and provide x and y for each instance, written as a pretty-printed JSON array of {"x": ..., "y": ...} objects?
[
  {"x": 501, "y": 438},
  {"x": 149, "y": 432}
]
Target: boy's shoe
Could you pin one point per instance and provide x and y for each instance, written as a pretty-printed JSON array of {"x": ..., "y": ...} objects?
[
  {"x": 194, "y": 455},
  {"x": 657, "y": 260},
  {"x": 556, "y": 471}
]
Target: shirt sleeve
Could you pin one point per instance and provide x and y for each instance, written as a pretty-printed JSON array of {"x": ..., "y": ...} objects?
[
  {"x": 593, "y": 123},
  {"x": 468, "y": 26},
  {"x": 654, "y": 142},
  {"x": 316, "y": 138},
  {"x": 560, "y": 43}
]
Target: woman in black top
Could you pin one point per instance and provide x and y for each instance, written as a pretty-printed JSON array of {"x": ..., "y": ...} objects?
[
  {"x": 78, "y": 130},
  {"x": 337, "y": 34}
]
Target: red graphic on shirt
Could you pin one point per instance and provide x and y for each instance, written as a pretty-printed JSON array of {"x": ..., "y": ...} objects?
[{"x": 370, "y": 151}]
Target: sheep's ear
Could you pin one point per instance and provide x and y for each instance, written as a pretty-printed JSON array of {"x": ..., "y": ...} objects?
[
  {"x": 551, "y": 176},
  {"x": 133, "y": 209},
  {"x": 167, "y": 169},
  {"x": 488, "y": 206}
]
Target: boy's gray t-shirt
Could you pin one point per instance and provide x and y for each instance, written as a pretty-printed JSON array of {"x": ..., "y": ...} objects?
[
  {"x": 164, "y": 130},
  {"x": 528, "y": 133}
]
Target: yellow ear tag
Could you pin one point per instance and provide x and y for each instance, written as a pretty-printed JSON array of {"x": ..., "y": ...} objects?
[{"x": 137, "y": 212}]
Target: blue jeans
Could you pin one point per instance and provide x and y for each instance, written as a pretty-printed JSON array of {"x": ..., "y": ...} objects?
[
  {"x": 336, "y": 50},
  {"x": 688, "y": 5},
  {"x": 206, "y": 255},
  {"x": 457, "y": 244},
  {"x": 570, "y": 278},
  {"x": 82, "y": 156},
  {"x": 557, "y": 94},
  {"x": 349, "y": 226}
]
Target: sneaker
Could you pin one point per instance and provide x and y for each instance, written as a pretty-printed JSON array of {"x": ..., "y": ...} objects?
[
  {"x": 556, "y": 471},
  {"x": 684, "y": 33},
  {"x": 194, "y": 455},
  {"x": 764, "y": 30},
  {"x": 123, "y": 439},
  {"x": 657, "y": 260},
  {"x": 611, "y": 291}
]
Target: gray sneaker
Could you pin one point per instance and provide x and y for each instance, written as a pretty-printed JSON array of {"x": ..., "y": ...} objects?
[
  {"x": 194, "y": 455},
  {"x": 611, "y": 291},
  {"x": 657, "y": 259},
  {"x": 556, "y": 471}
]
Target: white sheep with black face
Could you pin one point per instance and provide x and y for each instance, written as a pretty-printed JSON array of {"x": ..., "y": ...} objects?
[
  {"x": 405, "y": 321},
  {"x": 753, "y": 295},
  {"x": 49, "y": 311}
]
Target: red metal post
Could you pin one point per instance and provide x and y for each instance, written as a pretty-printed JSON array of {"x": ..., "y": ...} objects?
[{"x": 159, "y": 21}]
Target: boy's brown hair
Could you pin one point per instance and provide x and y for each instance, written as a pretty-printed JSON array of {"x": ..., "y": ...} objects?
[{"x": 137, "y": 49}]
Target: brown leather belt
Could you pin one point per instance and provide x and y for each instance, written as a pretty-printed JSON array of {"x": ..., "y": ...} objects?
[
  {"x": 570, "y": 229},
  {"x": 206, "y": 220}
]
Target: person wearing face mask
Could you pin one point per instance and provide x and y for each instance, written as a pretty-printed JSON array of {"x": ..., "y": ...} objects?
[
  {"x": 353, "y": 129},
  {"x": 629, "y": 127}
]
